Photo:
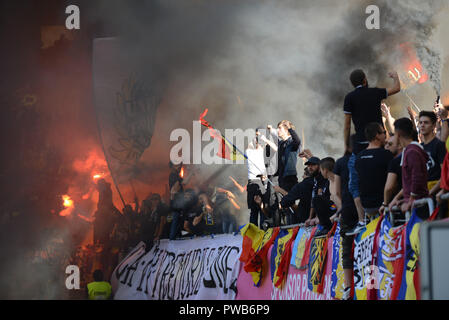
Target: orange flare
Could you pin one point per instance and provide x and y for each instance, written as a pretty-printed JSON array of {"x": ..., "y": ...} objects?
[
  {"x": 67, "y": 201},
  {"x": 181, "y": 173}
]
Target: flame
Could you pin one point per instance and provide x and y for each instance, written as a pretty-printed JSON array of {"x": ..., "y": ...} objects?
[
  {"x": 181, "y": 173},
  {"x": 96, "y": 176},
  {"x": 414, "y": 71},
  {"x": 67, "y": 202}
]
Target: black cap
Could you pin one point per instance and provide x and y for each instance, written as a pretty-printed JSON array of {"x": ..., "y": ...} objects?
[{"x": 313, "y": 160}]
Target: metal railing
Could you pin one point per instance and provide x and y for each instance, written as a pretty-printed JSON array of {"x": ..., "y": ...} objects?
[
  {"x": 445, "y": 196},
  {"x": 416, "y": 204}
]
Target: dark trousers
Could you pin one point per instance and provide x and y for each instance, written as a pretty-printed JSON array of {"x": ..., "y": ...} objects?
[
  {"x": 257, "y": 216},
  {"x": 347, "y": 244},
  {"x": 176, "y": 225},
  {"x": 323, "y": 211}
]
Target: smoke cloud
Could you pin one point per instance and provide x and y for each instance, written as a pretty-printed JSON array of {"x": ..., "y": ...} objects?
[
  {"x": 259, "y": 62},
  {"x": 251, "y": 63}
]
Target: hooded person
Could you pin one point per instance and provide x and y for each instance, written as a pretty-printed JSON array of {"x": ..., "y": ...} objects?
[{"x": 414, "y": 166}]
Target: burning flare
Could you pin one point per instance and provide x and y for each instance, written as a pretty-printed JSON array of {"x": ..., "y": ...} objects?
[
  {"x": 95, "y": 177},
  {"x": 414, "y": 71},
  {"x": 67, "y": 202},
  {"x": 181, "y": 173}
]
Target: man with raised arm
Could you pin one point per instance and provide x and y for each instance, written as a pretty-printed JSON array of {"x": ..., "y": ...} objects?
[{"x": 363, "y": 106}]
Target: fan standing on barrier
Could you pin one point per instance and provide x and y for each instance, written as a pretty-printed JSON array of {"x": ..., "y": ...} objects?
[
  {"x": 348, "y": 218},
  {"x": 255, "y": 187},
  {"x": 363, "y": 106},
  {"x": 289, "y": 145}
]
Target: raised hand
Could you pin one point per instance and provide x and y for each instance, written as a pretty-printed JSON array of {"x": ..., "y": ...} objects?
[
  {"x": 306, "y": 153},
  {"x": 393, "y": 75},
  {"x": 385, "y": 110}
]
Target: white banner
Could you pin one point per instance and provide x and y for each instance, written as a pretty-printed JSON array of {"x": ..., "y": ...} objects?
[{"x": 195, "y": 269}]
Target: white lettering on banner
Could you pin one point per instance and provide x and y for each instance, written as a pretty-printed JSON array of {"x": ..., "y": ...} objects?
[
  {"x": 296, "y": 288},
  {"x": 391, "y": 250},
  {"x": 363, "y": 258},
  {"x": 186, "y": 269}
]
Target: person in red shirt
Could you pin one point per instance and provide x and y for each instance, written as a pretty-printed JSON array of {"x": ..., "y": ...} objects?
[{"x": 414, "y": 166}]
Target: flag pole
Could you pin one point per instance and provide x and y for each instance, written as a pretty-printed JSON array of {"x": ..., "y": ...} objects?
[{"x": 207, "y": 125}]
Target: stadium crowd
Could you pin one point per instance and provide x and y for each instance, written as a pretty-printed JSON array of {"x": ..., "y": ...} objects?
[{"x": 387, "y": 165}]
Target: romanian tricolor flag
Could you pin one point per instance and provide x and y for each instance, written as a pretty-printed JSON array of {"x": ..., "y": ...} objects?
[
  {"x": 282, "y": 268},
  {"x": 279, "y": 263},
  {"x": 252, "y": 238},
  {"x": 257, "y": 263},
  {"x": 227, "y": 149}
]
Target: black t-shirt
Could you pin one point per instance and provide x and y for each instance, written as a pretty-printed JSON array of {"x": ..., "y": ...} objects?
[
  {"x": 372, "y": 168},
  {"x": 282, "y": 145},
  {"x": 436, "y": 150},
  {"x": 363, "y": 104},
  {"x": 341, "y": 169},
  {"x": 320, "y": 187},
  {"x": 395, "y": 167}
]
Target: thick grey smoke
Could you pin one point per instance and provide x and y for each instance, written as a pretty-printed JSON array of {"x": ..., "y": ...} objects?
[
  {"x": 258, "y": 62},
  {"x": 416, "y": 20},
  {"x": 254, "y": 63}
]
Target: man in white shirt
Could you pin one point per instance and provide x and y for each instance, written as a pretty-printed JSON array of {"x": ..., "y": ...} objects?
[{"x": 255, "y": 187}]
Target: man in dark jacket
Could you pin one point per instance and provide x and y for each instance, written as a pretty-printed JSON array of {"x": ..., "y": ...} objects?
[
  {"x": 303, "y": 192},
  {"x": 289, "y": 145}
]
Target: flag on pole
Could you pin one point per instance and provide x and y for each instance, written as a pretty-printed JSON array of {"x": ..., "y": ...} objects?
[{"x": 227, "y": 149}]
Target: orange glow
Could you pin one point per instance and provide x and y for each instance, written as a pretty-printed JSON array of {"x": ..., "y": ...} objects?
[
  {"x": 90, "y": 220},
  {"x": 96, "y": 176},
  {"x": 413, "y": 71},
  {"x": 67, "y": 201},
  {"x": 68, "y": 204},
  {"x": 181, "y": 173}
]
